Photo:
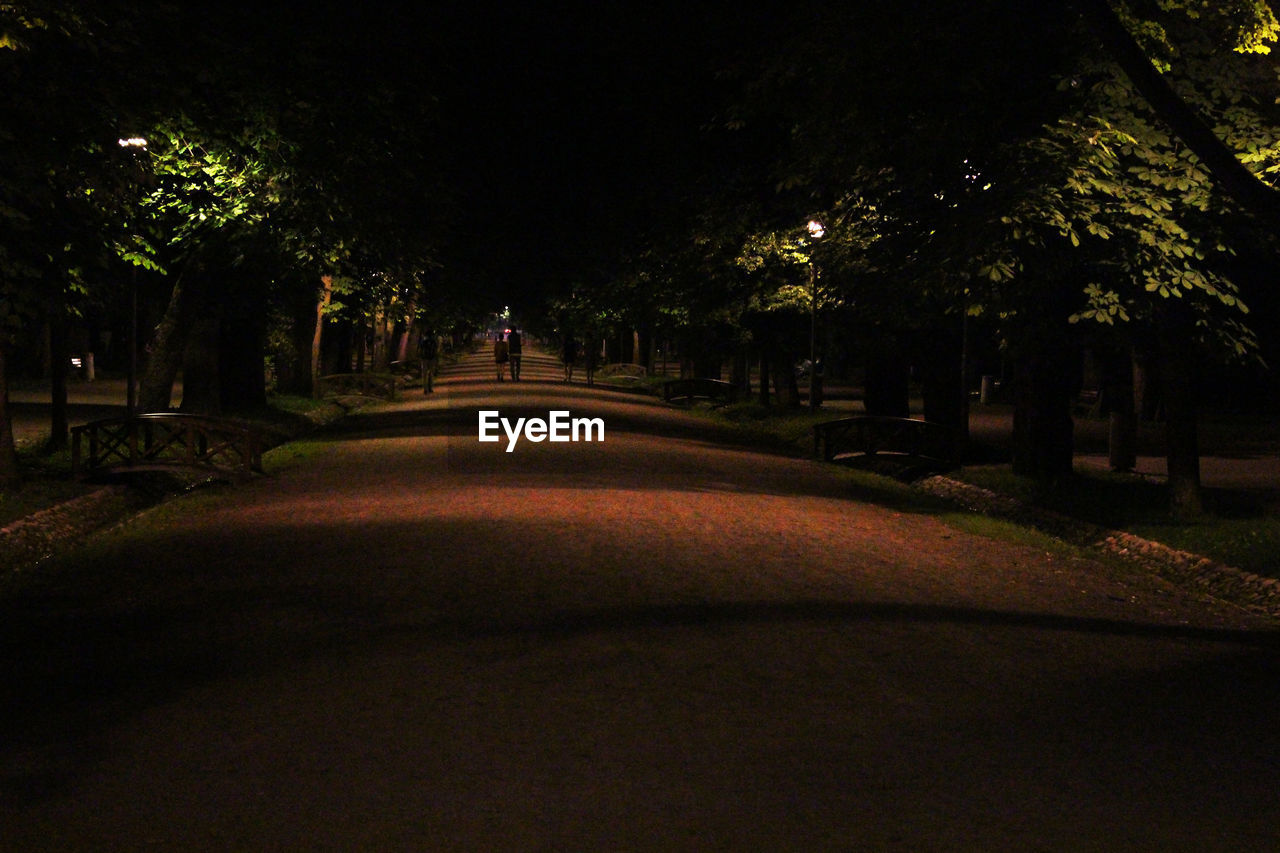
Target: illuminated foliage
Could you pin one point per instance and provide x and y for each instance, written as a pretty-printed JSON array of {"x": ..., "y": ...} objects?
[
  {"x": 1138, "y": 202},
  {"x": 1006, "y": 168},
  {"x": 244, "y": 193}
]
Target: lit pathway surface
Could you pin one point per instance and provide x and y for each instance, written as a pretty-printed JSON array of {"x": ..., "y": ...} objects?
[{"x": 409, "y": 640}]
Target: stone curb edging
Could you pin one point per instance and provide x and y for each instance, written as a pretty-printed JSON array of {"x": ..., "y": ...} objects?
[
  {"x": 1239, "y": 587},
  {"x": 37, "y": 537},
  {"x": 29, "y": 540},
  {"x": 58, "y": 529}
]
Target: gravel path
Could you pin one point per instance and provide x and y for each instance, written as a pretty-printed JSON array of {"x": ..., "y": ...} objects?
[{"x": 416, "y": 641}]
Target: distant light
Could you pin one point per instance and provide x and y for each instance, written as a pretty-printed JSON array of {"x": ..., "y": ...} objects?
[
  {"x": 133, "y": 142},
  {"x": 816, "y": 229}
]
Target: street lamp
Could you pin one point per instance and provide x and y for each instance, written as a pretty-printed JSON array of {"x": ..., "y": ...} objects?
[
  {"x": 134, "y": 144},
  {"x": 816, "y": 231}
]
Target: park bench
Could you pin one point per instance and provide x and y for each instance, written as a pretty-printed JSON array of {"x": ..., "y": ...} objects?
[
  {"x": 687, "y": 391},
  {"x": 911, "y": 443},
  {"x": 166, "y": 439},
  {"x": 383, "y": 385},
  {"x": 631, "y": 372}
]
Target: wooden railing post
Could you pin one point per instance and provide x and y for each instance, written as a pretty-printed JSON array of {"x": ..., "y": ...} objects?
[
  {"x": 132, "y": 427},
  {"x": 167, "y": 438}
]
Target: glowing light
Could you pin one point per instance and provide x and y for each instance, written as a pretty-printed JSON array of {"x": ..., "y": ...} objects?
[
  {"x": 816, "y": 229},
  {"x": 133, "y": 142}
]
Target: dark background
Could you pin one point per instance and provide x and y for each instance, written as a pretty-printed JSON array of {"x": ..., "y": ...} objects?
[{"x": 566, "y": 130}]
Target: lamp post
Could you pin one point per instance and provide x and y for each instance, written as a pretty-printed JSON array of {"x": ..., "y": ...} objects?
[
  {"x": 816, "y": 230},
  {"x": 131, "y": 395},
  {"x": 134, "y": 144}
]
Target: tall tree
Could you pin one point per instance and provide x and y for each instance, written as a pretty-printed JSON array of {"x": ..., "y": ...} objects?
[
  {"x": 955, "y": 151},
  {"x": 68, "y": 80},
  {"x": 1249, "y": 26}
]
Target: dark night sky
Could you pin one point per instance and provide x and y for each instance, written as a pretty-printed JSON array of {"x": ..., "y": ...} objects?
[
  {"x": 577, "y": 124},
  {"x": 565, "y": 123}
]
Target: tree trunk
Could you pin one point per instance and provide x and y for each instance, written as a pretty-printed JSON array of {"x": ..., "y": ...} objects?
[
  {"x": 362, "y": 340},
  {"x": 317, "y": 335},
  {"x": 403, "y": 331},
  {"x": 1185, "y": 493},
  {"x": 295, "y": 374},
  {"x": 941, "y": 353},
  {"x": 201, "y": 394},
  {"x": 1178, "y": 374},
  {"x": 8, "y": 453},
  {"x": 1118, "y": 395},
  {"x": 381, "y": 342},
  {"x": 708, "y": 366},
  {"x": 1044, "y": 385},
  {"x": 336, "y": 345},
  {"x": 784, "y": 380},
  {"x": 242, "y": 353},
  {"x": 887, "y": 387},
  {"x": 740, "y": 374},
  {"x": 59, "y": 367},
  {"x": 155, "y": 386},
  {"x": 764, "y": 377},
  {"x": 301, "y": 366},
  {"x": 1218, "y": 159}
]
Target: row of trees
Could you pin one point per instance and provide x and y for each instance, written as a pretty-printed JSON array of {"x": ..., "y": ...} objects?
[
  {"x": 1044, "y": 178},
  {"x": 244, "y": 183},
  {"x": 1079, "y": 174}
]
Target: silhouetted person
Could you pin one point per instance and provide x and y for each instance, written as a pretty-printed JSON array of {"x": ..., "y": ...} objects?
[
  {"x": 500, "y": 356},
  {"x": 429, "y": 352},
  {"x": 514, "y": 349},
  {"x": 569, "y": 354},
  {"x": 591, "y": 357}
]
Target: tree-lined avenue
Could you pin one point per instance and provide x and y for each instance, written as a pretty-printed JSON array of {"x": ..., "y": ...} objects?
[{"x": 405, "y": 639}]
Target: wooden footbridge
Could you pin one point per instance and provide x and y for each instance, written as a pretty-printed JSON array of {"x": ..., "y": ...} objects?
[
  {"x": 918, "y": 444},
  {"x": 166, "y": 440}
]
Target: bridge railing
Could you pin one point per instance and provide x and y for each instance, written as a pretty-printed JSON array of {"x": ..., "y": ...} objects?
[
  {"x": 166, "y": 439},
  {"x": 688, "y": 390},
  {"x": 868, "y": 435}
]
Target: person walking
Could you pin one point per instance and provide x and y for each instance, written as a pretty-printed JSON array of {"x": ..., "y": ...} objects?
[
  {"x": 591, "y": 357},
  {"x": 569, "y": 354},
  {"x": 515, "y": 347},
  {"x": 500, "y": 356},
  {"x": 429, "y": 353}
]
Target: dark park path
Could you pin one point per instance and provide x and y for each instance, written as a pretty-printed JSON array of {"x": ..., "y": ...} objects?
[{"x": 406, "y": 639}]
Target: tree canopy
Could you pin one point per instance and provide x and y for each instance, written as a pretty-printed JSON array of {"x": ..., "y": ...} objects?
[
  {"x": 1056, "y": 174},
  {"x": 1062, "y": 174}
]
